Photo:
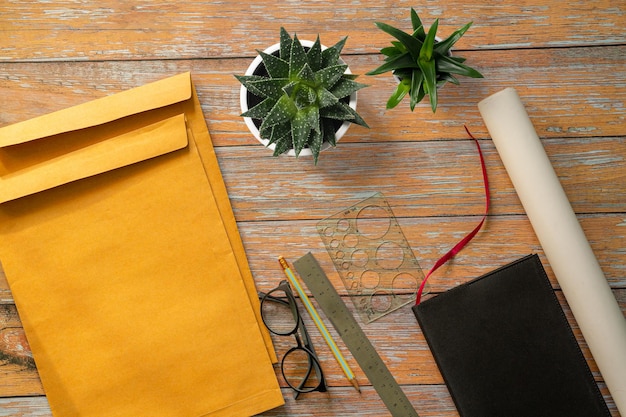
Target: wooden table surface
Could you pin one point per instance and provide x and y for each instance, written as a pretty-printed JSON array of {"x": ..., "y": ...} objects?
[{"x": 566, "y": 59}]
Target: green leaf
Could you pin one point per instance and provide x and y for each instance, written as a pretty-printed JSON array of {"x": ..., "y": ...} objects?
[
  {"x": 283, "y": 110},
  {"x": 285, "y": 44},
  {"x": 400, "y": 61},
  {"x": 391, "y": 51},
  {"x": 403, "y": 88},
  {"x": 297, "y": 59},
  {"x": 330, "y": 56},
  {"x": 276, "y": 67},
  {"x": 417, "y": 92},
  {"x": 290, "y": 88},
  {"x": 448, "y": 78},
  {"x": 314, "y": 55},
  {"x": 283, "y": 146},
  {"x": 356, "y": 119},
  {"x": 430, "y": 81},
  {"x": 280, "y": 133},
  {"x": 328, "y": 132},
  {"x": 315, "y": 144},
  {"x": 300, "y": 130},
  {"x": 247, "y": 80},
  {"x": 260, "y": 110},
  {"x": 267, "y": 87},
  {"x": 453, "y": 66},
  {"x": 265, "y": 132},
  {"x": 400, "y": 46},
  {"x": 428, "y": 66},
  {"x": 305, "y": 96},
  {"x": 312, "y": 116},
  {"x": 418, "y": 27},
  {"x": 306, "y": 74},
  {"x": 444, "y": 46},
  {"x": 325, "y": 98},
  {"x": 338, "y": 111},
  {"x": 327, "y": 77},
  {"x": 456, "y": 58},
  {"x": 426, "y": 53},
  {"x": 345, "y": 87},
  {"x": 413, "y": 45}
]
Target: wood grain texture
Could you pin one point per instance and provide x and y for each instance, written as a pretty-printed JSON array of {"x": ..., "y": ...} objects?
[
  {"x": 567, "y": 61},
  {"x": 119, "y": 30}
]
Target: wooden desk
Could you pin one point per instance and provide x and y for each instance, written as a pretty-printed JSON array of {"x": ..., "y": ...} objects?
[{"x": 567, "y": 61}]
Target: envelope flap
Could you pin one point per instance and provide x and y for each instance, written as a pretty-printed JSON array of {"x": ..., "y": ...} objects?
[
  {"x": 100, "y": 111},
  {"x": 135, "y": 146}
]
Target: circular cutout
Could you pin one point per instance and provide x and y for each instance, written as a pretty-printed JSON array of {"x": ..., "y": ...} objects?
[
  {"x": 351, "y": 240},
  {"x": 404, "y": 285},
  {"x": 328, "y": 231},
  {"x": 370, "y": 279},
  {"x": 334, "y": 244},
  {"x": 359, "y": 258},
  {"x": 380, "y": 301},
  {"x": 373, "y": 222},
  {"x": 343, "y": 225},
  {"x": 389, "y": 255}
]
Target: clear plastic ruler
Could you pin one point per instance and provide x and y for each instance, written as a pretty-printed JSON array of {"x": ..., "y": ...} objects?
[
  {"x": 353, "y": 336},
  {"x": 372, "y": 257}
]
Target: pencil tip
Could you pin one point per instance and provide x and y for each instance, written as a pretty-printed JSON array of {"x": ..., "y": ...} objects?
[{"x": 355, "y": 385}]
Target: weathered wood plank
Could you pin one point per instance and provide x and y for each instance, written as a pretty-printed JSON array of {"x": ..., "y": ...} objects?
[
  {"x": 114, "y": 29},
  {"x": 428, "y": 400},
  {"x": 419, "y": 179},
  {"x": 573, "y": 82},
  {"x": 502, "y": 240},
  {"x": 25, "y": 407}
]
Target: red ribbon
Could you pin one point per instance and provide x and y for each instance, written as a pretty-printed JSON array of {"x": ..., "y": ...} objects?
[{"x": 457, "y": 248}]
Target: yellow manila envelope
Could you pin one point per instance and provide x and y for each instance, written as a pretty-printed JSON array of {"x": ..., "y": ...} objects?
[{"x": 123, "y": 256}]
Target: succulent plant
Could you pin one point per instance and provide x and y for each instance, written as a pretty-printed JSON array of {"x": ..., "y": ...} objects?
[
  {"x": 421, "y": 62},
  {"x": 303, "y": 95}
]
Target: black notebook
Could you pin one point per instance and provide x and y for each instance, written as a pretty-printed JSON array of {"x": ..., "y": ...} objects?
[{"x": 505, "y": 348}]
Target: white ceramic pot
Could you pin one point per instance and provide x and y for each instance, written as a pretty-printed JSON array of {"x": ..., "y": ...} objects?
[{"x": 243, "y": 98}]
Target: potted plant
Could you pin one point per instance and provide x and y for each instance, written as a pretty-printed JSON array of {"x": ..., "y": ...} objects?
[
  {"x": 421, "y": 62},
  {"x": 299, "y": 97}
]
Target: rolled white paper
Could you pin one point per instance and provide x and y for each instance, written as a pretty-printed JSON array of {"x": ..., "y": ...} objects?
[{"x": 576, "y": 268}]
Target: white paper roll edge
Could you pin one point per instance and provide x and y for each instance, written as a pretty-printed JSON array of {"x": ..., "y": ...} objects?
[{"x": 575, "y": 266}]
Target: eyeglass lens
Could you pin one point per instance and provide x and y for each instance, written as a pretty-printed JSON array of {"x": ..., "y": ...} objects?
[
  {"x": 299, "y": 370},
  {"x": 278, "y": 315}
]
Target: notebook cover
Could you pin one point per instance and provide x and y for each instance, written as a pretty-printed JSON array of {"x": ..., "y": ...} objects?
[{"x": 505, "y": 348}]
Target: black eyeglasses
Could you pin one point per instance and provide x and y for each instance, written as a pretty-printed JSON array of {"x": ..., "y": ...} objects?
[{"x": 300, "y": 366}]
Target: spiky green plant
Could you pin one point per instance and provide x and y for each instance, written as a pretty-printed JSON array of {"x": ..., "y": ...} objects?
[
  {"x": 421, "y": 63},
  {"x": 304, "y": 95}
]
